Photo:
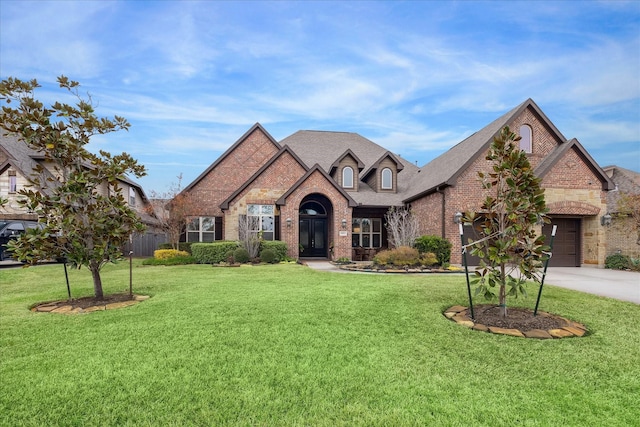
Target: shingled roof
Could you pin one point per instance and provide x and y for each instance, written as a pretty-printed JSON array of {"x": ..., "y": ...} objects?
[{"x": 324, "y": 148}]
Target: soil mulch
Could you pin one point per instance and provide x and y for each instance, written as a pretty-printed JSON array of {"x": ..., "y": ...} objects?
[
  {"x": 89, "y": 304},
  {"x": 517, "y": 318}
]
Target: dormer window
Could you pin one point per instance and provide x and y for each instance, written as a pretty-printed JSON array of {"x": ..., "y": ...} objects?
[
  {"x": 526, "y": 140},
  {"x": 387, "y": 179},
  {"x": 347, "y": 177}
]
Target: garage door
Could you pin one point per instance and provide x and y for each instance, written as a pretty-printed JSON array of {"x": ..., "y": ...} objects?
[{"x": 566, "y": 245}]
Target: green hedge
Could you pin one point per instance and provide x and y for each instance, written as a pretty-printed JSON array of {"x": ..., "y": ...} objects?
[
  {"x": 182, "y": 246},
  {"x": 212, "y": 253},
  {"x": 438, "y": 246},
  {"x": 278, "y": 247}
]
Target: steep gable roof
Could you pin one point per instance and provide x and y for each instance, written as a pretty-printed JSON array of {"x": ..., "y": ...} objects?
[
  {"x": 444, "y": 170},
  {"x": 229, "y": 151},
  {"x": 553, "y": 157},
  {"x": 316, "y": 168},
  {"x": 285, "y": 149},
  {"x": 335, "y": 164},
  {"x": 376, "y": 165}
]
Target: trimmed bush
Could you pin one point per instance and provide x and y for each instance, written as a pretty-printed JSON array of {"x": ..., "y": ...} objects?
[
  {"x": 241, "y": 255},
  {"x": 164, "y": 254},
  {"x": 429, "y": 259},
  {"x": 438, "y": 246},
  {"x": 179, "y": 260},
  {"x": 182, "y": 246},
  {"x": 229, "y": 257},
  {"x": 617, "y": 262},
  {"x": 278, "y": 247},
  {"x": 212, "y": 253},
  {"x": 268, "y": 256}
]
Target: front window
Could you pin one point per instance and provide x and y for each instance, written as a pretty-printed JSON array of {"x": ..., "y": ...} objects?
[
  {"x": 13, "y": 182},
  {"x": 387, "y": 182},
  {"x": 261, "y": 220},
  {"x": 201, "y": 229},
  {"x": 347, "y": 177},
  {"x": 366, "y": 232},
  {"x": 132, "y": 196},
  {"x": 526, "y": 143}
]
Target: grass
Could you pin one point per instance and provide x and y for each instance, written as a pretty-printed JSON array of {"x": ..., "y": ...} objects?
[{"x": 285, "y": 345}]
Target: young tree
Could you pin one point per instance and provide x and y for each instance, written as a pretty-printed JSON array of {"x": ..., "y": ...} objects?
[
  {"x": 402, "y": 226},
  {"x": 173, "y": 209},
  {"x": 509, "y": 249},
  {"x": 78, "y": 199}
]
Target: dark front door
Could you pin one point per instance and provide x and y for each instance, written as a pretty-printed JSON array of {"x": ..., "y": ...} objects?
[
  {"x": 566, "y": 244},
  {"x": 313, "y": 237}
]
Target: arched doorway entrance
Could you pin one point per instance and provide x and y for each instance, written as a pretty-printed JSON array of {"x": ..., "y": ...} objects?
[{"x": 314, "y": 219}]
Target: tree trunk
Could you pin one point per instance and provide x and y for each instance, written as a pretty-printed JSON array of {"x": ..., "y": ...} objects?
[
  {"x": 97, "y": 280},
  {"x": 502, "y": 298}
]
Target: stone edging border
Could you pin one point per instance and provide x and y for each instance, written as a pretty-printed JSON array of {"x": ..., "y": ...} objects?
[
  {"x": 53, "y": 307},
  {"x": 460, "y": 315},
  {"x": 371, "y": 269}
]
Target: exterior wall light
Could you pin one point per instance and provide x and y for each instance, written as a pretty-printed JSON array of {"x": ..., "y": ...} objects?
[
  {"x": 605, "y": 220},
  {"x": 457, "y": 218},
  {"x": 344, "y": 224},
  {"x": 288, "y": 222}
]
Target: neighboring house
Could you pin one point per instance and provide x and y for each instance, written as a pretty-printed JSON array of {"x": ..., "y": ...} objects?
[
  {"x": 18, "y": 161},
  {"x": 623, "y": 235},
  {"x": 326, "y": 193}
]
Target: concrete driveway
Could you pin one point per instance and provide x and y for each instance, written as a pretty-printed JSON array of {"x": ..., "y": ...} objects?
[{"x": 622, "y": 285}]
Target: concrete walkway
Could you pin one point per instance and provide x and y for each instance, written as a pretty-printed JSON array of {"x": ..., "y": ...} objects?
[{"x": 621, "y": 285}]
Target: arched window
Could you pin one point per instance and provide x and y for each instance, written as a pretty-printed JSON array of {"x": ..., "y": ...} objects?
[
  {"x": 387, "y": 179},
  {"x": 347, "y": 177},
  {"x": 526, "y": 143}
]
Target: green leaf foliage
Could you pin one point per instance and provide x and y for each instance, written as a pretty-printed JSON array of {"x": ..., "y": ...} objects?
[
  {"x": 78, "y": 198},
  {"x": 509, "y": 248}
]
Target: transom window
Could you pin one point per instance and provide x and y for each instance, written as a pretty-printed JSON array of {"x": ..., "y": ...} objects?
[
  {"x": 312, "y": 208},
  {"x": 201, "y": 229},
  {"x": 261, "y": 220},
  {"x": 387, "y": 181},
  {"x": 526, "y": 143},
  {"x": 366, "y": 232},
  {"x": 347, "y": 177}
]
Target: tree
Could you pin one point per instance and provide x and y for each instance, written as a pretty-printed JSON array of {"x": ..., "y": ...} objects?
[
  {"x": 173, "y": 215},
  {"x": 509, "y": 248},
  {"x": 402, "y": 226},
  {"x": 77, "y": 196},
  {"x": 629, "y": 206}
]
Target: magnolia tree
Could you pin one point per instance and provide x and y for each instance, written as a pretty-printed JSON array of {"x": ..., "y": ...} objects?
[
  {"x": 85, "y": 217},
  {"x": 509, "y": 248},
  {"x": 402, "y": 227}
]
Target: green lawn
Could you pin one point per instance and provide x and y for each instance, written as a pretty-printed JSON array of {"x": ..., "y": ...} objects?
[{"x": 286, "y": 345}]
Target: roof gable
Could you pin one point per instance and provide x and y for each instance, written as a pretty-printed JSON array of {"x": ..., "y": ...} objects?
[
  {"x": 280, "y": 153},
  {"x": 335, "y": 164},
  {"x": 560, "y": 151},
  {"x": 316, "y": 168},
  {"x": 376, "y": 165},
  {"x": 230, "y": 150},
  {"x": 445, "y": 169}
]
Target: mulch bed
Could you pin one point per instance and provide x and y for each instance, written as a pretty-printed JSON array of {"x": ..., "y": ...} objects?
[
  {"x": 517, "y": 318},
  {"x": 87, "y": 302}
]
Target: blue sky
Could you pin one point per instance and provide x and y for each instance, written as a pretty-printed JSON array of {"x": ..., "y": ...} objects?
[{"x": 414, "y": 77}]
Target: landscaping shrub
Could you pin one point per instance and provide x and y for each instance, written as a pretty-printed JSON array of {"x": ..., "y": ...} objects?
[
  {"x": 268, "y": 256},
  {"x": 617, "y": 262},
  {"x": 404, "y": 255},
  {"x": 212, "y": 253},
  {"x": 241, "y": 255},
  {"x": 164, "y": 254},
  {"x": 429, "y": 259},
  {"x": 438, "y": 246},
  {"x": 182, "y": 246},
  {"x": 278, "y": 247},
  {"x": 177, "y": 260},
  {"x": 229, "y": 257}
]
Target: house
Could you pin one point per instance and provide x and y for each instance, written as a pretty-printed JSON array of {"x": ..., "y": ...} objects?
[
  {"x": 326, "y": 193},
  {"x": 623, "y": 234},
  {"x": 18, "y": 161}
]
